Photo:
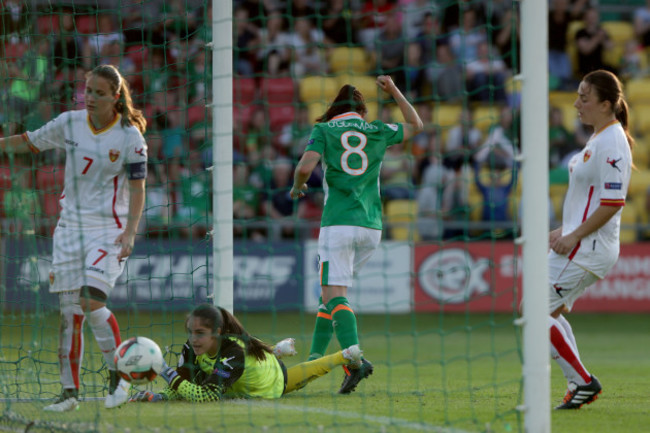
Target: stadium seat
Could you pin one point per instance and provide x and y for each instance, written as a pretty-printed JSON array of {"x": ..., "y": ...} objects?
[
  {"x": 641, "y": 153},
  {"x": 195, "y": 114},
  {"x": 318, "y": 89},
  {"x": 401, "y": 216},
  {"x": 364, "y": 83},
  {"x": 640, "y": 119},
  {"x": 485, "y": 116},
  {"x": 620, "y": 32},
  {"x": 244, "y": 91},
  {"x": 348, "y": 60},
  {"x": 315, "y": 110},
  {"x": 569, "y": 116},
  {"x": 15, "y": 51},
  {"x": 47, "y": 24},
  {"x": 139, "y": 54},
  {"x": 277, "y": 91},
  {"x": 86, "y": 24},
  {"x": 637, "y": 91},
  {"x": 558, "y": 98},
  {"x": 280, "y": 116},
  {"x": 5, "y": 185},
  {"x": 629, "y": 217},
  {"x": 446, "y": 115},
  {"x": 557, "y": 192}
]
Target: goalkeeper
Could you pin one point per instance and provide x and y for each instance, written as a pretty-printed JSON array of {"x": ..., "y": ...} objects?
[{"x": 221, "y": 359}]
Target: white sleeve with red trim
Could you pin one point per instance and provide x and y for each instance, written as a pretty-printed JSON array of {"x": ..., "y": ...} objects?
[
  {"x": 615, "y": 169},
  {"x": 51, "y": 135}
]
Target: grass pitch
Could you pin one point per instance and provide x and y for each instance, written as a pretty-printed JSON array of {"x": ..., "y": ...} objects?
[{"x": 433, "y": 373}]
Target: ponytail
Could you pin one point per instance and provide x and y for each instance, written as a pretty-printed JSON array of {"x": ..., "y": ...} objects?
[
  {"x": 622, "y": 115},
  {"x": 348, "y": 99}
]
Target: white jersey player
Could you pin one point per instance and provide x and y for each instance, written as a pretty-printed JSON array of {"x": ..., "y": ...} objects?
[
  {"x": 102, "y": 202},
  {"x": 587, "y": 245}
]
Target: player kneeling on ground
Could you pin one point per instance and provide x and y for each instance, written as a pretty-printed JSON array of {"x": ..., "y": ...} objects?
[{"x": 221, "y": 359}]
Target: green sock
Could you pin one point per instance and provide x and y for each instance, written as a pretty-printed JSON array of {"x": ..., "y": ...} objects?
[
  {"x": 344, "y": 322},
  {"x": 322, "y": 332}
]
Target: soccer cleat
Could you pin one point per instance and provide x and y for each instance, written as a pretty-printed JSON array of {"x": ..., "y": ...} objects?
[
  {"x": 353, "y": 374},
  {"x": 286, "y": 347},
  {"x": 577, "y": 395},
  {"x": 118, "y": 391},
  {"x": 66, "y": 402}
]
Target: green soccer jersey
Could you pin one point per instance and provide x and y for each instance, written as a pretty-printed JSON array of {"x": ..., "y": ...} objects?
[{"x": 351, "y": 152}]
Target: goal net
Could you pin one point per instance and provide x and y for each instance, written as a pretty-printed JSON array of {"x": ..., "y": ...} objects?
[{"x": 436, "y": 304}]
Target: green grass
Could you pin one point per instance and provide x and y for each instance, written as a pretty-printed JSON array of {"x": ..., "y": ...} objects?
[{"x": 434, "y": 373}]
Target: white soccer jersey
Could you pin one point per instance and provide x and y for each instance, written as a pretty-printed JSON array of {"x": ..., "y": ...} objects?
[
  {"x": 96, "y": 190},
  {"x": 598, "y": 176}
]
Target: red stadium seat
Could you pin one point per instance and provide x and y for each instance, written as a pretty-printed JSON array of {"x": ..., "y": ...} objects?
[
  {"x": 47, "y": 24},
  {"x": 14, "y": 52},
  {"x": 195, "y": 114},
  {"x": 86, "y": 24},
  {"x": 280, "y": 116},
  {"x": 278, "y": 91},
  {"x": 244, "y": 91},
  {"x": 138, "y": 54},
  {"x": 5, "y": 185}
]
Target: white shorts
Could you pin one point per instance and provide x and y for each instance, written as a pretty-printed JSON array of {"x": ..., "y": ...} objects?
[
  {"x": 85, "y": 258},
  {"x": 567, "y": 281},
  {"x": 342, "y": 251}
]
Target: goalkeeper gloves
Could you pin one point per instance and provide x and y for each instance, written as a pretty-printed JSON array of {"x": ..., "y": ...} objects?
[
  {"x": 148, "y": 396},
  {"x": 168, "y": 373}
]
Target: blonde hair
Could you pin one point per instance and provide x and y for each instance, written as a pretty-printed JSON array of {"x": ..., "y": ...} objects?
[{"x": 124, "y": 104}]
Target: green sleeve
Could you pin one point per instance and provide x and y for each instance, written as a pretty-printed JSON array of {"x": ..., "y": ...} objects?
[{"x": 316, "y": 141}]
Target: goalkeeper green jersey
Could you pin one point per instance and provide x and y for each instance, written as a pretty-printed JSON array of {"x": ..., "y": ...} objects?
[
  {"x": 231, "y": 373},
  {"x": 351, "y": 152}
]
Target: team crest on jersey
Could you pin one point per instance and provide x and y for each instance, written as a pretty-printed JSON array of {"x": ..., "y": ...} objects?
[
  {"x": 113, "y": 155},
  {"x": 587, "y": 155},
  {"x": 51, "y": 278}
]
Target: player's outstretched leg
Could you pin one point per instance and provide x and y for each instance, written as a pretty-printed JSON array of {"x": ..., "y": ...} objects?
[
  {"x": 578, "y": 395},
  {"x": 356, "y": 371},
  {"x": 322, "y": 332},
  {"x": 67, "y": 401}
]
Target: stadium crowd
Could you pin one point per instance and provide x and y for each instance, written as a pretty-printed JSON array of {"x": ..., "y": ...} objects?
[{"x": 456, "y": 61}]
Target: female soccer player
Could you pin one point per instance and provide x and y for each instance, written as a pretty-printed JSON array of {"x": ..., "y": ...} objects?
[
  {"x": 587, "y": 245},
  {"x": 221, "y": 359},
  {"x": 103, "y": 199},
  {"x": 352, "y": 151}
]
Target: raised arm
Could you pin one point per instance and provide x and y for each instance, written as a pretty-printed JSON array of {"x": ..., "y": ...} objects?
[{"x": 413, "y": 125}]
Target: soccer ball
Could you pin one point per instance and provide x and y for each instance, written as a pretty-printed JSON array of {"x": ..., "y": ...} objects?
[{"x": 138, "y": 360}]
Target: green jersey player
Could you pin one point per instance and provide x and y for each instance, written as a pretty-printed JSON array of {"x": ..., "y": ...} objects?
[{"x": 351, "y": 151}]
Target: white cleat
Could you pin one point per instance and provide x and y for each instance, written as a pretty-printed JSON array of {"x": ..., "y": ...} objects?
[
  {"x": 353, "y": 354},
  {"x": 63, "y": 404},
  {"x": 119, "y": 396},
  {"x": 286, "y": 347}
]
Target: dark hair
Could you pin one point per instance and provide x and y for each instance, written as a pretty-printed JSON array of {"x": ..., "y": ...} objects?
[
  {"x": 216, "y": 317},
  {"x": 124, "y": 105},
  {"x": 348, "y": 99},
  {"x": 609, "y": 88}
]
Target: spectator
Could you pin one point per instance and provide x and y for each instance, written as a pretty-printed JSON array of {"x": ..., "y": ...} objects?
[
  {"x": 69, "y": 50},
  {"x": 422, "y": 143},
  {"x": 278, "y": 204},
  {"x": 463, "y": 140},
  {"x": 308, "y": 57},
  {"x": 246, "y": 202},
  {"x": 430, "y": 199},
  {"x": 631, "y": 63},
  {"x": 464, "y": 41},
  {"x": 496, "y": 191},
  {"x": 274, "y": 54},
  {"x": 246, "y": 38},
  {"x": 395, "y": 174},
  {"x": 414, "y": 16},
  {"x": 337, "y": 23},
  {"x": 295, "y": 135},
  {"x": 28, "y": 76},
  {"x": 499, "y": 147},
  {"x": 561, "y": 141},
  {"x": 389, "y": 48},
  {"x": 106, "y": 35},
  {"x": 299, "y": 9},
  {"x": 373, "y": 18},
  {"x": 156, "y": 215},
  {"x": 642, "y": 24},
  {"x": 559, "y": 64},
  {"x": 486, "y": 76},
  {"x": 194, "y": 198},
  {"x": 503, "y": 38},
  {"x": 14, "y": 19},
  {"x": 592, "y": 41},
  {"x": 21, "y": 203},
  {"x": 446, "y": 75}
]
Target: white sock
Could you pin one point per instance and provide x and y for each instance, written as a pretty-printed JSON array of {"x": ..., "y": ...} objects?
[
  {"x": 71, "y": 339},
  {"x": 107, "y": 333},
  {"x": 563, "y": 352},
  {"x": 569, "y": 333}
]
